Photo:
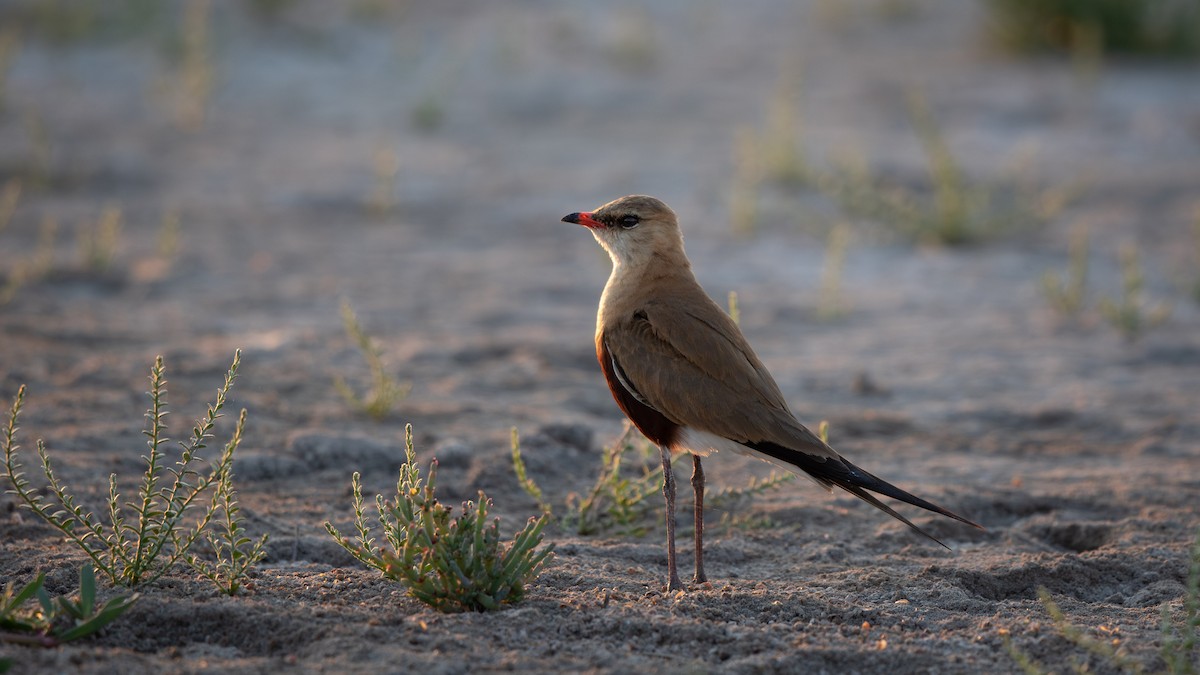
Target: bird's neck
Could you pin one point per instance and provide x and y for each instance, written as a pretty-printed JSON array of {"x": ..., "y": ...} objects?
[{"x": 631, "y": 283}]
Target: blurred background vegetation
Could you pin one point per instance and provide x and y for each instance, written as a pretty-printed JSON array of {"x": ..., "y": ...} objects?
[{"x": 1168, "y": 28}]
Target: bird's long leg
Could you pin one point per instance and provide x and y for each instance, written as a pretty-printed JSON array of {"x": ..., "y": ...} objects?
[
  {"x": 673, "y": 583},
  {"x": 698, "y": 487}
]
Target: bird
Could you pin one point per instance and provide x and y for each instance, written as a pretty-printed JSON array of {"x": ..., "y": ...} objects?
[{"x": 682, "y": 372}]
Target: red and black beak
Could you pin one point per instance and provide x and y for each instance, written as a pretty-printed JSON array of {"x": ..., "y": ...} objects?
[{"x": 582, "y": 218}]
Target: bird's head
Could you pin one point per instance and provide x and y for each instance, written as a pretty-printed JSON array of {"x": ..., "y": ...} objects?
[{"x": 633, "y": 229}]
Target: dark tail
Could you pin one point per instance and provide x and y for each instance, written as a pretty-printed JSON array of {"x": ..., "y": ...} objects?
[{"x": 856, "y": 481}]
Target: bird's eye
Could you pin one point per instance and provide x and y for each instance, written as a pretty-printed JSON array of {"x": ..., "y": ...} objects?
[{"x": 630, "y": 221}]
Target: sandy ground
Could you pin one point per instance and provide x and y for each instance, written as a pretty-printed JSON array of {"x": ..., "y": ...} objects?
[{"x": 1076, "y": 449}]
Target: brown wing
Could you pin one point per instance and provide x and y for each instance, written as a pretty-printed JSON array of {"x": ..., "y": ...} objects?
[
  {"x": 652, "y": 423},
  {"x": 688, "y": 361}
]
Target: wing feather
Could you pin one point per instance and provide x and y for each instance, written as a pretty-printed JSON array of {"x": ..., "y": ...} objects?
[{"x": 695, "y": 368}]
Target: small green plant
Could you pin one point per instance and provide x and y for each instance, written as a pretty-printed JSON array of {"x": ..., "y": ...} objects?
[
  {"x": 271, "y": 10},
  {"x": 614, "y": 502},
  {"x": 747, "y": 179},
  {"x": 1077, "y": 636},
  {"x": 98, "y": 241},
  {"x": 54, "y": 621},
  {"x": 953, "y": 211},
  {"x": 41, "y": 152},
  {"x": 735, "y": 312},
  {"x": 10, "y": 44},
  {"x": 634, "y": 47},
  {"x": 15, "y": 278},
  {"x": 196, "y": 72},
  {"x": 1161, "y": 27},
  {"x": 531, "y": 488},
  {"x": 383, "y": 196},
  {"x": 9, "y": 198},
  {"x": 25, "y": 271},
  {"x": 829, "y": 304},
  {"x": 234, "y": 552},
  {"x": 783, "y": 156},
  {"x": 617, "y": 502},
  {"x": 169, "y": 234},
  {"x": 430, "y": 112},
  {"x": 1179, "y": 639},
  {"x": 449, "y": 564},
  {"x": 1196, "y": 258},
  {"x": 950, "y": 219},
  {"x": 1131, "y": 314},
  {"x": 768, "y": 159},
  {"x": 730, "y": 501},
  {"x": 772, "y": 155},
  {"x": 143, "y": 538},
  {"x": 385, "y": 391},
  {"x": 64, "y": 22},
  {"x": 1068, "y": 294}
]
